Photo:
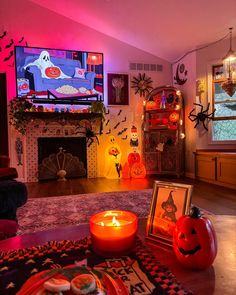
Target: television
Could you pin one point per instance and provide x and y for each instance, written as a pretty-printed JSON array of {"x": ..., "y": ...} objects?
[{"x": 58, "y": 75}]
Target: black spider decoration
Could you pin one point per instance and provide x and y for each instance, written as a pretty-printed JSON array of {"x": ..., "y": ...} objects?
[
  {"x": 89, "y": 134},
  {"x": 201, "y": 116}
]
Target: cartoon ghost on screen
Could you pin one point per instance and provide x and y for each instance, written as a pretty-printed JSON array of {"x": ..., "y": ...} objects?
[{"x": 47, "y": 68}]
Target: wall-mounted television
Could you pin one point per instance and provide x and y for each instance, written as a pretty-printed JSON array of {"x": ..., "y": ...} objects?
[{"x": 58, "y": 75}]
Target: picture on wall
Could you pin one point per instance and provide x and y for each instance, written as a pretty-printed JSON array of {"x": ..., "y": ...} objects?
[
  {"x": 169, "y": 202},
  {"x": 118, "y": 89}
]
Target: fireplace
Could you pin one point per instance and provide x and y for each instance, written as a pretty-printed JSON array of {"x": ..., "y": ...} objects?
[
  {"x": 57, "y": 135},
  {"x": 62, "y": 155}
]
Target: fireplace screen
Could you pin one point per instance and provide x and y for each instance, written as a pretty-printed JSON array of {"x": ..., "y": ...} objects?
[{"x": 61, "y": 158}]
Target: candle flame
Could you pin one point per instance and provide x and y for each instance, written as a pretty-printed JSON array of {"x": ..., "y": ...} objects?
[
  {"x": 115, "y": 221},
  {"x": 102, "y": 223}
]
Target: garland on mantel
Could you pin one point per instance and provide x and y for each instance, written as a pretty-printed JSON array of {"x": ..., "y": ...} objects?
[{"x": 23, "y": 111}]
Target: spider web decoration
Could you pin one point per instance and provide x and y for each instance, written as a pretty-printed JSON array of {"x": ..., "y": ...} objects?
[
  {"x": 142, "y": 84},
  {"x": 201, "y": 116}
]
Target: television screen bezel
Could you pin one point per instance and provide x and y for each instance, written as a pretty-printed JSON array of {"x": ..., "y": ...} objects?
[{"x": 69, "y": 100}]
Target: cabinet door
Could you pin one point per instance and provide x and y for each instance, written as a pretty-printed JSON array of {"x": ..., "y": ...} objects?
[
  {"x": 226, "y": 170},
  {"x": 205, "y": 167}
]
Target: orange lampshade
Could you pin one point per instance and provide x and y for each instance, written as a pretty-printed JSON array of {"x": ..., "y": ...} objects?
[{"x": 94, "y": 59}]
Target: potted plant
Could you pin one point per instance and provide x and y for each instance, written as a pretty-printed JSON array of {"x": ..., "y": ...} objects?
[{"x": 17, "y": 113}]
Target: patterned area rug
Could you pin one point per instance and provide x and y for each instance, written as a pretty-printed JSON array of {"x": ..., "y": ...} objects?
[{"x": 47, "y": 213}]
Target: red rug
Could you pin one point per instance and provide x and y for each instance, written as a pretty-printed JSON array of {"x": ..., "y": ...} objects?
[{"x": 46, "y": 213}]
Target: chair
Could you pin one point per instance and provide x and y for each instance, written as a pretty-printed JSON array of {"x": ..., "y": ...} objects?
[
  {"x": 13, "y": 194},
  {"x": 7, "y": 172}
]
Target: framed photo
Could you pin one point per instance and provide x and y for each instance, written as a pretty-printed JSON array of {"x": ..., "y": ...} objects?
[
  {"x": 118, "y": 89},
  {"x": 169, "y": 202},
  {"x": 218, "y": 72}
]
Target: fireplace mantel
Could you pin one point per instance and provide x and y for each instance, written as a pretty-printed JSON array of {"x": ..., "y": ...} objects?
[{"x": 58, "y": 116}]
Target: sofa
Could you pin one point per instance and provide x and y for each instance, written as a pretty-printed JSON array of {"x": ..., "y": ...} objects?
[
  {"x": 13, "y": 194},
  {"x": 67, "y": 66}
]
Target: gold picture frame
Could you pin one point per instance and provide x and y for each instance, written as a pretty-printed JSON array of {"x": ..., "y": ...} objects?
[{"x": 169, "y": 202}]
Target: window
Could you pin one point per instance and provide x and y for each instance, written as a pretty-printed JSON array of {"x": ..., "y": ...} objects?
[{"x": 224, "y": 123}]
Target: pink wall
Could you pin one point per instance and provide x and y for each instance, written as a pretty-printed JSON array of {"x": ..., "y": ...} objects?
[{"x": 44, "y": 28}]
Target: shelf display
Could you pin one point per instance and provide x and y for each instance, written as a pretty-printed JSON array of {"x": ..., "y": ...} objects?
[{"x": 163, "y": 132}]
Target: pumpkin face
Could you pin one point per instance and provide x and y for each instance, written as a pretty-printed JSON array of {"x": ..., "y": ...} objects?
[
  {"x": 52, "y": 72},
  {"x": 138, "y": 170},
  {"x": 194, "y": 241}
]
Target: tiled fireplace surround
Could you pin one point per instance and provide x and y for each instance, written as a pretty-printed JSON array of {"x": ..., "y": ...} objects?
[{"x": 35, "y": 131}]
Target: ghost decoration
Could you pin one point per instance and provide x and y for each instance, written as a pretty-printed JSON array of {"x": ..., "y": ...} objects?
[
  {"x": 47, "y": 68},
  {"x": 112, "y": 159}
]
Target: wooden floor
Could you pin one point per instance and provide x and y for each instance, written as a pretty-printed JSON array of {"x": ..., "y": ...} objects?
[{"x": 216, "y": 199}]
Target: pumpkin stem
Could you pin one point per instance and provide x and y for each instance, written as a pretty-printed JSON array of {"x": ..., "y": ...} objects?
[{"x": 195, "y": 212}]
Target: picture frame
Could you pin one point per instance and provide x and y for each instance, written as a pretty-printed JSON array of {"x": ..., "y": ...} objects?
[
  {"x": 218, "y": 72},
  {"x": 118, "y": 89},
  {"x": 169, "y": 202}
]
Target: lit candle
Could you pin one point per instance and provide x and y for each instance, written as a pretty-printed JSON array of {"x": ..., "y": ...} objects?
[{"x": 113, "y": 232}]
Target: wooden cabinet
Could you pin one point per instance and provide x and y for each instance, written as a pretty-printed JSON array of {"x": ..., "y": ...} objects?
[
  {"x": 217, "y": 167},
  {"x": 163, "y": 132}
]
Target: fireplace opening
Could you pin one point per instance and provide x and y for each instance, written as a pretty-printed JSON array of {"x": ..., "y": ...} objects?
[{"x": 61, "y": 158}]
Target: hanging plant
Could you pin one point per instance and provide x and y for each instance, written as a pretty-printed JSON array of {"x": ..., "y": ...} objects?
[
  {"x": 17, "y": 113},
  {"x": 98, "y": 107}
]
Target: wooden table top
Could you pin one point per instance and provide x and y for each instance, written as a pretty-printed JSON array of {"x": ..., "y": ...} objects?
[{"x": 218, "y": 279}]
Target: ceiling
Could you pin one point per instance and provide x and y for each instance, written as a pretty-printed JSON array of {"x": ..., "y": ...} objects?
[{"x": 165, "y": 28}]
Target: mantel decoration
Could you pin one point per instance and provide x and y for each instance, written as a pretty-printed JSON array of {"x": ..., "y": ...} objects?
[
  {"x": 17, "y": 113},
  {"x": 229, "y": 66},
  {"x": 142, "y": 84}
]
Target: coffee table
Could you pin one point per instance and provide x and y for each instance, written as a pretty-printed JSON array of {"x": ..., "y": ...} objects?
[{"x": 218, "y": 279}]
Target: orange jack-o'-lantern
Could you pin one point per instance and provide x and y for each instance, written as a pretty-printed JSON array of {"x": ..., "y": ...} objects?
[
  {"x": 53, "y": 72},
  {"x": 151, "y": 104},
  {"x": 194, "y": 240},
  {"x": 138, "y": 170},
  {"x": 174, "y": 117}
]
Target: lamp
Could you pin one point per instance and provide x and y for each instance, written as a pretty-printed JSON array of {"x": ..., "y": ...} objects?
[
  {"x": 94, "y": 59},
  {"x": 229, "y": 66}
]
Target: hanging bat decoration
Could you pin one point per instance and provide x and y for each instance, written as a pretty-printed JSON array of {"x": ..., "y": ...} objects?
[
  {"x": 107, "y": 122},
  {"x": 116, "y": 125},
  {"x": 180, "y": 71},
  {"x": 201, "y": 116},
  {"x": 3, "y": 35},
  {"x": 122, "y": 131},
  {"x": 9, "y": 56},
  {"x": 108, "y": 132},
  {"x": 120, "y": 111},
  {"x": 10, "y": 44},
  {"x": 124, "y": 120},
  {"x": 124, "y": 138},
  {"x": 21, "y": 40}
]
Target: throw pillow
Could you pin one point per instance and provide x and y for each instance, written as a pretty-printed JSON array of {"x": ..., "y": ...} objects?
[{"x": 79, "y": 73}]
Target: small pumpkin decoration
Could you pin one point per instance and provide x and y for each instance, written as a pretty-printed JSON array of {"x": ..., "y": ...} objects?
[
  {"x": 53, "y": 72},
  {"x": 151, "y": 104},
  {"x": 194, "y": 240},
  {"x": 138, "y": 170}
]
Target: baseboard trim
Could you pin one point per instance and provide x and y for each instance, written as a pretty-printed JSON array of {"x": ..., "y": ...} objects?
[{"x": 190, "y": 175}]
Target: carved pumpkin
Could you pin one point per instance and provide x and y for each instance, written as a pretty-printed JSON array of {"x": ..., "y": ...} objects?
[
  {"x": 174, "y": 117},
  {"x": 194, "y": 240},
  {"x": 151, "y": 104},
  {"x": 53, "y": 72},
  {"x": 138, "y": 170},
  {"x": 133, "y": 158}
]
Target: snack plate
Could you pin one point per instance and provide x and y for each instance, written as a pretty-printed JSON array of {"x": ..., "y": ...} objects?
[{"x": 107, "y": 283}]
